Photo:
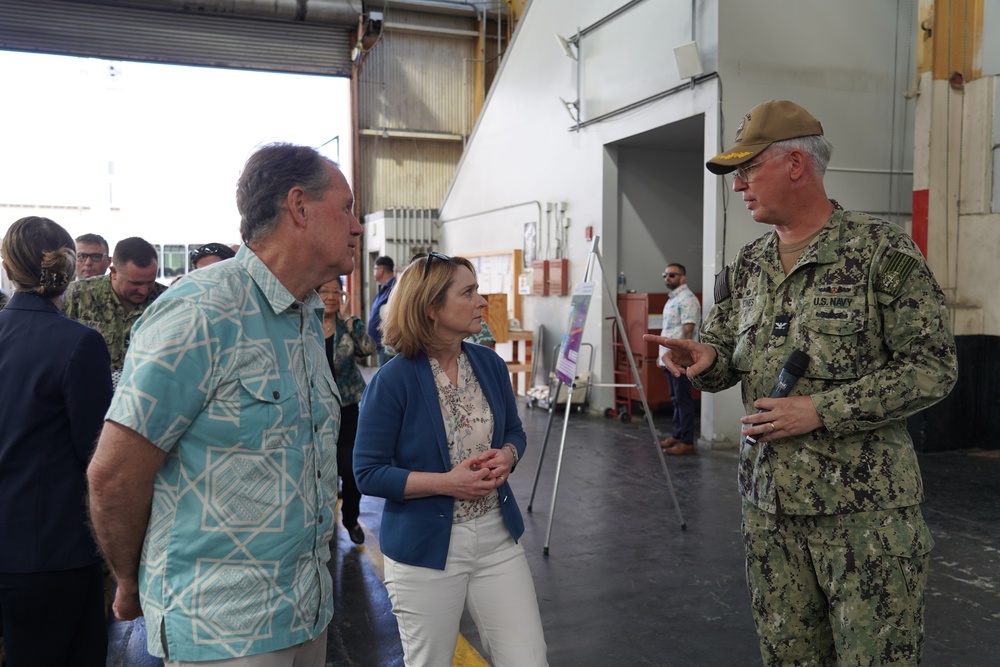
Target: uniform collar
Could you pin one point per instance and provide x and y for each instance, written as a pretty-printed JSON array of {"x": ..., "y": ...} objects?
[{"x": 824, "y": 249}]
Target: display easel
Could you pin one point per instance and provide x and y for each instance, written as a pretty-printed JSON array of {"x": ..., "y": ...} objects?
[{"x": 595, "y": 254}]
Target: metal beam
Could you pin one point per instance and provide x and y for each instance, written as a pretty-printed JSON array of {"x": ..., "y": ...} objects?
[{"x": 410, "y": 134}]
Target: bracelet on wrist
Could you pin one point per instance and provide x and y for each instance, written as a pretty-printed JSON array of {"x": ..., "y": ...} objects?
[{"x": 513, "y": 450}]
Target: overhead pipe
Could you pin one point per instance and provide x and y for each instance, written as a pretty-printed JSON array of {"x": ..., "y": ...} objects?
[{"x": 327, "y": 12}]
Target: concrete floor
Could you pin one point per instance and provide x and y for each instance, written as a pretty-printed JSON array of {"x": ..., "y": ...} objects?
[{"x": 622, "y": 584}]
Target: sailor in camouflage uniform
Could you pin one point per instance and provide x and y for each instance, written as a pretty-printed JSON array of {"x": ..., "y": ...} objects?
[
  {"x": 837, "y": 550},
  {"x": 113, "y": 303}
]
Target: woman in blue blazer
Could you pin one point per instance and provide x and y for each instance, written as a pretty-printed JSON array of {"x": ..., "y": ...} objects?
[
  {"x": 438, "y": 436},
  {"x": 55, "y": 392}
]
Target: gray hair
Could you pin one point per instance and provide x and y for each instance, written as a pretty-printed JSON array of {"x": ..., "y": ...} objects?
[
  {"x": 816, "y": 146},
  {"x": 268, "y": 176}
]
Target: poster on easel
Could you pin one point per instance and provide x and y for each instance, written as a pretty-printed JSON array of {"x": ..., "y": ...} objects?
[{"x": 569, "y": 351}]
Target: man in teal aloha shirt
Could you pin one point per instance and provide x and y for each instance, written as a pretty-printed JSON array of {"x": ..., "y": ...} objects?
[{"x": 214, "y": 482}]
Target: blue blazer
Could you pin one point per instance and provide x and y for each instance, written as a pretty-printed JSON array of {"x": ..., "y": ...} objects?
[
  {"x": 54, "y": 393},
  {"x": 401, "y": 429}
]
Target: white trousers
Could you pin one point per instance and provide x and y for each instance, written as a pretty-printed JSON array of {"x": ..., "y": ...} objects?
[
  {"x": 486, "y": 572},
  {"x": 308, "y": 654}
]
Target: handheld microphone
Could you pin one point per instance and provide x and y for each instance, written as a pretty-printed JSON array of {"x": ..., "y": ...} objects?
[{"x": 794, "y": 368}]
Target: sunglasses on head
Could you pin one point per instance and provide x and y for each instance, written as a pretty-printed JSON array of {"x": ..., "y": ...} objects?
[
  {"x": 431, "y": 256},
  {"x": 210, "y": 249}
]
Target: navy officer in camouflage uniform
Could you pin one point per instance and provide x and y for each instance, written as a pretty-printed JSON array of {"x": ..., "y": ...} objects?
[
  {"x": 836, "y": 548},
  {"x": 113, "y": 303}
]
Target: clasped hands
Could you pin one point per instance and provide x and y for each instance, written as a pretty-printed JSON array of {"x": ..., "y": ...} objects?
[{"x": 478, "y": 476}]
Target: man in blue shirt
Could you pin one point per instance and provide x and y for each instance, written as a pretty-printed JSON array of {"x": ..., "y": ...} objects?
[
  {"x": 213, "y": 487},
  {"x": 385, "y": 276}
]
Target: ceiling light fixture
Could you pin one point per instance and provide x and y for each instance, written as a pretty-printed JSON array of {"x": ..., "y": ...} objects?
[
  {"x": 573, "y": 109},
  {"x": 570, "y": 47}
]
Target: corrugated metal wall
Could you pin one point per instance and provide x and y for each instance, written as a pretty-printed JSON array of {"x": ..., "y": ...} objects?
[
  {"x": 182, "y": 38},
  {"x": 411, "y": 173},
  {"x": 417, "y": 81}
]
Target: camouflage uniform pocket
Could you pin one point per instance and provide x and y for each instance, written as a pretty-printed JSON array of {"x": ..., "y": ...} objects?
[
  {"x": 832, "y": 343},
  {"x": 906, "y": 541}
]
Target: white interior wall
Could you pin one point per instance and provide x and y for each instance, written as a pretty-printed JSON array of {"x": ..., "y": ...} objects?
[
  {"x": 847, "y": 62},
  {"x": 524, "y": 150}
]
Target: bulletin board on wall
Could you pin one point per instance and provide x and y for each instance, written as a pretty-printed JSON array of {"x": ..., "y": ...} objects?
[{"x": 498, "y": 273}]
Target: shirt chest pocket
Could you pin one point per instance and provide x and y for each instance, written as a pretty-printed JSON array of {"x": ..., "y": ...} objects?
[
  {"x": 749, "y": 326},
  {"x": 269, "y": 412},
  {"x": 832, "y": 340}
]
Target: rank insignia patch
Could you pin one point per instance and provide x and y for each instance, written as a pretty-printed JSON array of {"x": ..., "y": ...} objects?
[
  {"x": 781, "y": 325},
  {"x": 895, "y": 270}
]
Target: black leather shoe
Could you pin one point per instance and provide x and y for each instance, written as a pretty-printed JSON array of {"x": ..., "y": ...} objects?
[{"x": 357, "y": 534}]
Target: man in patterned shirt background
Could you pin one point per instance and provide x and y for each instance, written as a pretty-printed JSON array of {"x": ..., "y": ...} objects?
[{"x": 681, "y": 319}]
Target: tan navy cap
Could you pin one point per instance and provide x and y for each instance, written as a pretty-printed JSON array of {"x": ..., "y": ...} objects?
[{"x": 766, "y": 123}]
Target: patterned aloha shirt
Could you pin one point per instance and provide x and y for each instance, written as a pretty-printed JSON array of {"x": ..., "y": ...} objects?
[
  {"x": 227, "y": 373},
  {"x": 681, "y": 308},
  {"x": 468, "y": 422}
]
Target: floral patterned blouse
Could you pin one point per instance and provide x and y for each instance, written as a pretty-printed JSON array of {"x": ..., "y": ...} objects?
[
  {"x": 344, "y": 347},
  {"x": 468, "y": 423}
]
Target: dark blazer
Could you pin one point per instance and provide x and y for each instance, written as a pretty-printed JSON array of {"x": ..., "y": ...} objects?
[
  {"x": 55, "y": 388},
  {"x": 401, "y": 430}
]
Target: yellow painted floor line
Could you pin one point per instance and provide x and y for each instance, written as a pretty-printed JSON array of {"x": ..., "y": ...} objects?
[{"x": 465, "y": 654}]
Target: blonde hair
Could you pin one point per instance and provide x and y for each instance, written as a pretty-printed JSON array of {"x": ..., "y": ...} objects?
[
  {"x": 39, "y": 256},
  {"x": 406, "y": 326}
]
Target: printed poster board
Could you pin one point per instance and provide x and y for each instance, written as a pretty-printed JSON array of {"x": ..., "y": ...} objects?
[{"x": 569, "y": 351}]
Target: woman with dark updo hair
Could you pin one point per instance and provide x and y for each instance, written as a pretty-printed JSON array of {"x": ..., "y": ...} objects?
[{"x": 55, "y": 392}]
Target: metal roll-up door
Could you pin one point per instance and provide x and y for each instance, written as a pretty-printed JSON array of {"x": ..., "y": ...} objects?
[{"x": 158, "y": 34}]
